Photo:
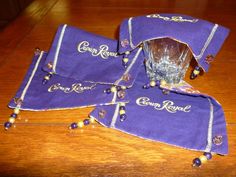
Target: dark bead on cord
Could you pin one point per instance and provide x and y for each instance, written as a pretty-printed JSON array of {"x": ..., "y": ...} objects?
[
  {"x": 193, "y": 76},
  {"x": 86, "y": 121},
  {"x": 49, "y": 75},
  {"x": 122, "y": 107},
  {"x": 147, "y": 86},
  {"x": 44, "y": 81},
  {"x": 158, "y": 83},
  {"x": 74, "y": 125},
  {"x": 7, "y": 125},
  {"x": 123, "y": 117},
  {"x": 125, "y": 65},
  {"x": 108, "y": 91},
  {"x": 208, "y": 155},
  {"x": 118, "y": 88},
  {"x": 14, "y": 115},
  {"x": 197, "y": 162}
]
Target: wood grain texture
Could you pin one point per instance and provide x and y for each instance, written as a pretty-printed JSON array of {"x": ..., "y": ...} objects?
[{"x": 41, "y": 144}]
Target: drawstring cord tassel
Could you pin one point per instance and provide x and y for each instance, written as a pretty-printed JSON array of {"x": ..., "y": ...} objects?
[
  {"x": 81, "y": 124},
  {"x": 197, "y": 162},
  {"x": 153, "y": 83},
  {"x": 125, "y": 60},
  {"x": 122, "y": 112},
  {"x": 13, "y": 116},
  {"x": 119, "y": 89},
  {"x": 47, "y": 77},
  {"x": 110, "y": 90},
  {"x": 195, "y": 72}
]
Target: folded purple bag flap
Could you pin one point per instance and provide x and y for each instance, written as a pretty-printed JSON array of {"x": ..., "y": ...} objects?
[
  {"x": 59, "y": 92},
  {"x": 88, "y": 57},
  {"x": 203, "y": 38},
  {"x": 194, "y": 122}
]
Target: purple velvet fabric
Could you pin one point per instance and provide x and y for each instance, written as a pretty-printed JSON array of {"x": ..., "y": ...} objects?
[
  {"x": 89, "y": 57},
  {"x": 84, "y": 64},
  {"x": 193, "y": 121},
  {"x": 60, "y": 92},
  {"x": 203, "y": 38}
]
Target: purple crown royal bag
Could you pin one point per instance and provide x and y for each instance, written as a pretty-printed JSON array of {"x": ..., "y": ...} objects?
[
  {"x": 184, "y": 117},
  {"x": 203, "y": 38},
  {"x": 59, "y": 93},
  {"x": 85, "y": 56}
]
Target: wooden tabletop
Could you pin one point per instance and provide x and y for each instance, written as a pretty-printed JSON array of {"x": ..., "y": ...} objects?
[{"x": 41, "y": 144}]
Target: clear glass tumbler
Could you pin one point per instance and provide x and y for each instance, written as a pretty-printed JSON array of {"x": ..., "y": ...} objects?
[{"x": 167, "y": 59}]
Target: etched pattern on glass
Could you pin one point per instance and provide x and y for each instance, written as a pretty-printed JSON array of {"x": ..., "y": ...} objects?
[{"x": 167, "y": 59}]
